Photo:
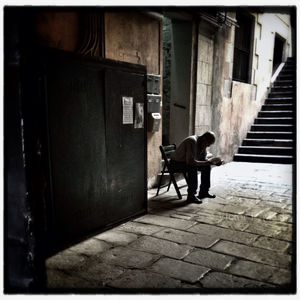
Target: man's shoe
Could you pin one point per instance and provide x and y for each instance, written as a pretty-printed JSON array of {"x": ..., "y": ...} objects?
[
  {"x": 193, "y": 199},
  {"x": 206, "y": 195}
]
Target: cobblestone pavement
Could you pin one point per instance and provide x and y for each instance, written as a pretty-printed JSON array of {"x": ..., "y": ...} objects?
[{"x": 240, "y": 241}]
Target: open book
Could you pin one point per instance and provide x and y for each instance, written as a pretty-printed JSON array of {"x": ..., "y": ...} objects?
[{"x": 216, "y": 161}]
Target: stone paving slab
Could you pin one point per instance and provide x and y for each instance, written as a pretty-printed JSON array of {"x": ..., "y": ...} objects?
[
  {"x": 66, "y": 260},
  {"x": 118, "y": 238},
  {"x": 90, "y": 247},
  {"x": 162, "y": 212},
  {"x": 261, "y": 272},
  {"x": 212, "y": 206},
  {"x": 246, "y": 201},
  {"x": 268, "y": 215},
  {"x": 182, "y": 216},
  {"x": 96, "y": 271},
  {"x": 224, "y": 233},
  {"x": 160, "y": 246},
  {"x": 179, "y": 269},
  {"x": 269, "y": 228},
  {"x": 209, "y": 259},
  {"x": 190, "y": 208},
  {"x": 183, "y": 237},
  {"x": 255, "y": 211},
  {"x": 138, "y": 279},
  {"x": 234, "y": 209},
  {"x": 192, "y": 216},
  {"x": 57, "y": 280},
  {"x": 279, "y": 209},
  {"x": 217, "y": 280},
  {"x": 285, "y": 235},
  {"x": 139, "y": 228},
  {"x": 209, "y": 218},
  {"x": 165, "y": 221},
  {"x": 128, "y": 258},
  {"x": 235, "y": 222},
  {"x": 272, "y": 244},
  {"x": 255, "y": 254},
  {"x": 283, "y": 218}
]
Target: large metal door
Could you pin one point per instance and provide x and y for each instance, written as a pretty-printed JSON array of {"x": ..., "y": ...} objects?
[
  {"x": 126, "y": 164},
  {"x": 97, "y": 163}
]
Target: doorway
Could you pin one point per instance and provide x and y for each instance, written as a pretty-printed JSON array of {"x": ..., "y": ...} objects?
[
  {"x": 278, "y": 51},
  {"x": 177, "y": 45}
]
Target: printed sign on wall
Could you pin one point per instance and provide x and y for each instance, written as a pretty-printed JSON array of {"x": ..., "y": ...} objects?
[{"x": 127, "y": 110}]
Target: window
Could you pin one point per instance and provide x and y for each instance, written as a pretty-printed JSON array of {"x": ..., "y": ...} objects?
[{"x": 242, "y": 47}]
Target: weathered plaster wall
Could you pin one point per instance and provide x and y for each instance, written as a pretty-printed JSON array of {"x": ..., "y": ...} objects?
[
  {"x": 58, "y": 30},
  {"x": 234, "y": 104},
  {"x": 136, "y": 38},
  {"x": 133, "y": 37}
]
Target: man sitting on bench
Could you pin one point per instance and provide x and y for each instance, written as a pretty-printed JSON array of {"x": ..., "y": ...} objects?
[{"x": 191, "y": 156}]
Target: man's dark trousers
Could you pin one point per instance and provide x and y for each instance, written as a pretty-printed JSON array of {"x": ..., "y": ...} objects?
[{"x": 192, "y": 176}]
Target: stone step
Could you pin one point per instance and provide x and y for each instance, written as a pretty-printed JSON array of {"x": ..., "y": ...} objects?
[
  {"x": 283, "y": 88},
  {"x": 268, "y": 142},
  {"x": 288, "y": 70},
  {"x": 277, "y": 159},
  {"x": 273, "y": 114},
  {"x": 286, "y": 77},
  {"x": 266, "y": 150},
  {"x": 280, "y": 100},
  {"x": 283, "y": 120},
  {"x": 291, "y": 64},
  {"x": 286, "y": 100},
  {"x": 271, "y": 127},
  {"x": 270, "y": 135},
  {"x": 291, "y": 59},
  {"x": 282, "y": 94},
  {"x": 284, "y": 82},
  {"x": 276, "y": 107}
]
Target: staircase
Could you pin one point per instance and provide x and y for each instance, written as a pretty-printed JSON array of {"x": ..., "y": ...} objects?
[{"x": 271, "y": 138}]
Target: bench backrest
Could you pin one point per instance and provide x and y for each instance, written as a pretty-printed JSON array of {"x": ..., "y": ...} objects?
[{"x": 166, "y": 152}]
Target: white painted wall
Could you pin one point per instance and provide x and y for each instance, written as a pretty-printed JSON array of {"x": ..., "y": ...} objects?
[{"x": 266, "y": 26}]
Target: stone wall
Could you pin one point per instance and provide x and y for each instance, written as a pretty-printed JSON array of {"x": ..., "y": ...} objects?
[
  {"x": 204, "y": 84},
  {"x": 58, "y": 29}
]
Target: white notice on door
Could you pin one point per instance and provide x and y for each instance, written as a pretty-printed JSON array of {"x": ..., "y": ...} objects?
[
  {"x": 139, "y": 115},
  {"x": 127, "y": 110}
]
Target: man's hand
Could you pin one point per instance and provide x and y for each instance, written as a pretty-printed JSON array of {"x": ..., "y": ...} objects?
[{"x": 215, "y": 161}]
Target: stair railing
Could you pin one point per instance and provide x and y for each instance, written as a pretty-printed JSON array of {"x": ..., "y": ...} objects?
[{"x": 278, "y": 70}]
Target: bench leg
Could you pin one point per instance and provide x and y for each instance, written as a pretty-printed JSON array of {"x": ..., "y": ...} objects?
[
  {"x": 175, "y": 185},
  {"x": 169, "y": 184},
  {"x": 160, "y": 179}
]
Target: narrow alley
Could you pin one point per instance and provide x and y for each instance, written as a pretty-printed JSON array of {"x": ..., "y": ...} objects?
[
  {"x": 240, "y": 241},
  {"x": 97, "y": 98}
]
